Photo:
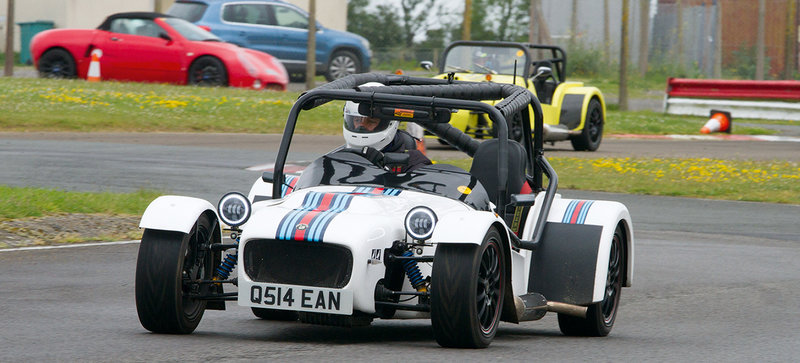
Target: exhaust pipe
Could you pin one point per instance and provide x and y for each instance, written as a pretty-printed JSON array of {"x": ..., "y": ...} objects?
[{"x": 568, "y": 309}]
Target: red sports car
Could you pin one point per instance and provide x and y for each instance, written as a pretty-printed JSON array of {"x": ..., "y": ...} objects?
[{"x": 153, "y": 47}]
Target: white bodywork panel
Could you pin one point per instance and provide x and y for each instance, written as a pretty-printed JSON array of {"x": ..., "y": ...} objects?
[
  {"x": 601, "y": 213},
  {"x": 174, "y": 213}
]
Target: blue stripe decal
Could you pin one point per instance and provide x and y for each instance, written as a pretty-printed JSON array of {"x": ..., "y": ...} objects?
[
  {"x": 584, "y": 211},
  {"x": 286, "y": 228},
  {"x": 320, "y": 223},
  {"x": 570, "y": 210}
]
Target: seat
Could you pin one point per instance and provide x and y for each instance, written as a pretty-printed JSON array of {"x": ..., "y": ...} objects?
[{"x": 485, "y": 168}]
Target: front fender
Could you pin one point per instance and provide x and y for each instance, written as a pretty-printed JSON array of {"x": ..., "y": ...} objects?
[
  {"x": 175, "y": 213},
  {"x": 464, "y": 227}
]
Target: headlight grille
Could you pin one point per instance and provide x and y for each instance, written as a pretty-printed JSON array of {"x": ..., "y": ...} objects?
[{"x": 298, "y": 263}]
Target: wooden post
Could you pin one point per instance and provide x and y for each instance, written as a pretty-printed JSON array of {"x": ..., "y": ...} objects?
[
  {"x": 681, "y": 58},
  {"x": 311, "y": 51},
  {"x": 466, "y": 26},
  {"x": 760, "y": 40},
  {"x": 644, "y": 31},
  {"x": 790, "y": 59},
  {"x": 718, "y": 43},
  {"x": 606, "y": 34},
  {"x": 8, "y": 70},
  {"x": 574, "y": 23},
  {"x": 623, "y": 58}
]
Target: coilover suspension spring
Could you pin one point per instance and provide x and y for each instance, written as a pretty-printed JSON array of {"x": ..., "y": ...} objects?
[
  {"x": 413, "y": 273},
  {"x": 227, "y": 265}
]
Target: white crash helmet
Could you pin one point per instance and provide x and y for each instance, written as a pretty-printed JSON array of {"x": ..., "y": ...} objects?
[{"x": 356, "y": 130}]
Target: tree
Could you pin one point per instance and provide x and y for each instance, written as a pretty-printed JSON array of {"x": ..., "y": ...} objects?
[
  {"x": 503, "y": 20},
  {"x": 380, "y": 26},
  {"x": 623, "y": 59},
  {"x": 415, "y": 17}
]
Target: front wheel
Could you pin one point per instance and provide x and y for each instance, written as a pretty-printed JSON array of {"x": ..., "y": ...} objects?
[
  {"x": 208, "y": 71},
  {"x": 467, "y": 292},
  {"x": 600, "y": 316},
  {"x": 168, "y": 271},
  {"x": 57, "y": 63},
  {"x": 592, "y": 134},
  {"x": 342, "y": 64}
]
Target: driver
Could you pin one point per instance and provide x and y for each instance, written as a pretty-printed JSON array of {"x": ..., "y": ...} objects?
[{"x": 363, "y": 131}]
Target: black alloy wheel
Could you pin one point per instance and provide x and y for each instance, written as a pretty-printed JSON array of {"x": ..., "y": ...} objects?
[
  {"x": 592, "y": 134},
  {"x": 208, "y": 71},
  {"x": 57, "y": 63}
]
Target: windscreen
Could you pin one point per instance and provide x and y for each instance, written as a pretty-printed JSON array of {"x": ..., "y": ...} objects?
[
  {"x": 485, "y": 59},
  {"x": 190, "y": 31}
]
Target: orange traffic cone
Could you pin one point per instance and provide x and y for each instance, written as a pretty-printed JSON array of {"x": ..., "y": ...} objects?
[
  {"x": 94, "y": 67},
  {"x": 720, "y": 121}
]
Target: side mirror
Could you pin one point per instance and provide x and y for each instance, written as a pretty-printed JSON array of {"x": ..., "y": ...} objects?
[
  {"x": 427, "y": 65},
  {"x": 268, "y": 176},
  {"x": 543, "y": 72},
  {"x": 165, "y": 36}
]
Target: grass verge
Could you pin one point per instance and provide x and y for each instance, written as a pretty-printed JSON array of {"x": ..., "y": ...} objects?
[
  {"x": 29, "y": 104},
  {"x": 775, "y": 181}
]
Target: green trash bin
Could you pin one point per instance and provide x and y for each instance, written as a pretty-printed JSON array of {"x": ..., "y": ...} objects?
[{"x": 26, "y": 32}]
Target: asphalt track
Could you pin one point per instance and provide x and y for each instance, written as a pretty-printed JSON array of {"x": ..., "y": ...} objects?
[{"x": 714, "y": 280}]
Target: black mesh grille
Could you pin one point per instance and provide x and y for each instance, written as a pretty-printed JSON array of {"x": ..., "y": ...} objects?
[{"x": 298, "y": 263}]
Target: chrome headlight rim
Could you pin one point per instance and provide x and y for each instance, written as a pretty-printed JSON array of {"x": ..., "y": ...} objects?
[
  {"x": 412, "y": 215},
  {"x": 223, "y": 206}
]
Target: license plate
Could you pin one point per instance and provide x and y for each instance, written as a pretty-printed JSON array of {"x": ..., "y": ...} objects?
[{"x": 298, "y": 298}]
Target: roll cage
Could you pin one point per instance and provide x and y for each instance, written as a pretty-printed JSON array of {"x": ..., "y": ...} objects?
[
  {"x": 432, "y": 98},
  {"x": 557, "y": 56}
]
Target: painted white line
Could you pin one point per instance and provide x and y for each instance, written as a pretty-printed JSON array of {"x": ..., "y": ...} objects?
[
  {"x": 261, "y": 167},
  {"x": 70, "y": 246}
]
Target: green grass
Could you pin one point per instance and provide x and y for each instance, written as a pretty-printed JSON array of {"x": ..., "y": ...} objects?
[
  {"x": 775, "y": 181},
  {"x": 21, "y": 202},
  {"x": 76, "y": 105}
]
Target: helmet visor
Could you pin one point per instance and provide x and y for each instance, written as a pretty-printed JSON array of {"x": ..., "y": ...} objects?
[{"x": 364, "y": 124}]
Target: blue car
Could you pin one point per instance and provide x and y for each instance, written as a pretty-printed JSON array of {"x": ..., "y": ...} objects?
[{"x": 280, "y": 29}]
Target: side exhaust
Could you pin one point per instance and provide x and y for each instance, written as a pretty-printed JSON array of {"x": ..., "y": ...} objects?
[{"x": 534, "y": 306}]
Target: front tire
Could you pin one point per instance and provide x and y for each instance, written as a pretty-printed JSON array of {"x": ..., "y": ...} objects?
[
  {"x": 342, "y": 64},
  {"x": 168, "y": 264},
  {"x": 600, "y": 316},
  {"x": 57, "y": 63},
  {"x": 208, "y": 71},
  {"x": 592, "y": 133},
  {"x": 467, "y": 290}
]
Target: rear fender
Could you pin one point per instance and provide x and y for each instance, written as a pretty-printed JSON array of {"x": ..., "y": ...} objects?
[
  {"x": 176, "y": 213},
  {"x": 572, "y": 101},
  {"x": 579, "y": 232}
]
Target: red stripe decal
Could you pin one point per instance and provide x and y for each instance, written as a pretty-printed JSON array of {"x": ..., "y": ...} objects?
[
  {"x": 577, "y": 211},
  {"x": 325, "y": 204}
]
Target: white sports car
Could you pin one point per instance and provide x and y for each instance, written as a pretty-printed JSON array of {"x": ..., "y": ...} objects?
[{"x": 358, "y": 235}]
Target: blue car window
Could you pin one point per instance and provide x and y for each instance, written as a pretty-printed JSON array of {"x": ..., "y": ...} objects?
[
  {"x": 288, "y": 17},
  {"x": 246, "y": 13}
]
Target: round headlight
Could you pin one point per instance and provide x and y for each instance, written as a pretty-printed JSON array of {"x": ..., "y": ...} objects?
[
  {"x": 420, "y": 222},
  {"x": 234, "y": 209}
]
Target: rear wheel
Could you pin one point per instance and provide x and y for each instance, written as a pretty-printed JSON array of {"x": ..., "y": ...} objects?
[
  {"x": 467, "y": 292},
  {"x": 57, "y": 63},
  {"x": 208, "y": 71},
  {"x": 592, "y": 133},
  {"x": 600, "y": 316},
  {"x": 342, "y": 64},
  {"x": 168, "y": 269}
]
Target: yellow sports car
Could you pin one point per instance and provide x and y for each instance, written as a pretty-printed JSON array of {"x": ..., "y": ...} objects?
[{"x": 572, "y": 111}]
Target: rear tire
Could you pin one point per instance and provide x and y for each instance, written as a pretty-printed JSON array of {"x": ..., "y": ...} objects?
[
  {"x": 592, "y": 133},
  {"x": 57, "y": 63},
  {"x": 600, "y": 316},
  {"x": 208, "y": 71},
  {"x": 168, "y": 261},
  {"x": 467, "y": 290}
]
